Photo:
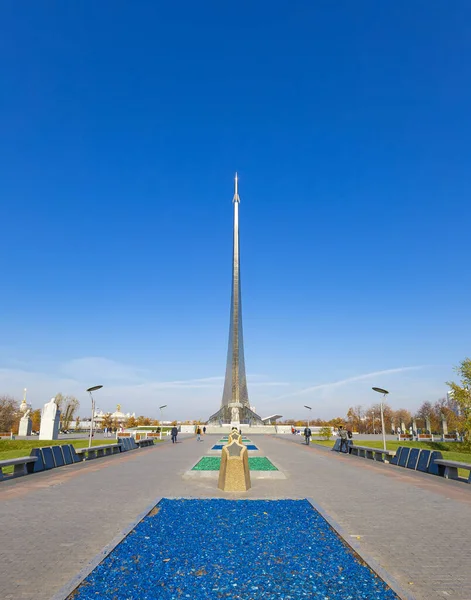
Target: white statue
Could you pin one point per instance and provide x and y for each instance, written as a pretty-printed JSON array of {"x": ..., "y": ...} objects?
[
  {"x": 24, "y": 428},
  {"x": 50, "y": 418},
  {"x": 49, "y": 410},
  {"x": 235, "y": 414}
]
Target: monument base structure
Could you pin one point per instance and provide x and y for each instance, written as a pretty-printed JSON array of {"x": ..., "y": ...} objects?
[{"x": 223, "y": 417}]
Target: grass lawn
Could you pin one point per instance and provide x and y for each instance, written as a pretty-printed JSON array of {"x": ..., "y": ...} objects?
[{"x": 448, "y": 449}]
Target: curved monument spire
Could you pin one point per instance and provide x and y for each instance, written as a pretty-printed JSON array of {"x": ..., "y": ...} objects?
[{"x": 235, "y": 406}]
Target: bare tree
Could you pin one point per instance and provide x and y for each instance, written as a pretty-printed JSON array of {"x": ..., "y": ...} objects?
[
  {"x": 355, "y": 416},
  {"x": 107, "y": 421},
  {"x": 403, "y": 416},
  {"x": 35, "y": 419},
  {"x": 67, "y": 405},
  {"x": 9, "y": 414},
  {"x": 130, "y": 422},
  {"x": 462, "y": 395}
]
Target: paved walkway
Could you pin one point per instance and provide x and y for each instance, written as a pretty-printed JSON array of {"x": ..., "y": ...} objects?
[{"x": 414, "y": 525}]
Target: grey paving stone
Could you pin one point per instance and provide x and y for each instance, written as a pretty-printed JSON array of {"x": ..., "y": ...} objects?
[{"x": 413, "y": 524}]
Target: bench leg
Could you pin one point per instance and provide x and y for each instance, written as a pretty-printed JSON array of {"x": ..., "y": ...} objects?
[
  {"x": 451, "y": 473},
  {"x": 19, "y": 470}
]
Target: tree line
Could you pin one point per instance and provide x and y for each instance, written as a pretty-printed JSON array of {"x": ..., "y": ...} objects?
[
  {"x": 10, "y": 413},
  {"x": 455, "y": 408}
]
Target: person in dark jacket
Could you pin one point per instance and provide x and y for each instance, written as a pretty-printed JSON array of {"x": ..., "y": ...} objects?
[
  {"x": 307, "y": 435},
  {"x": 174, "y": 434},
  {"x": 343, "y": 439}
]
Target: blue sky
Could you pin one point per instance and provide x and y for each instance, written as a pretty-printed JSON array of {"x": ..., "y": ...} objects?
[{"x": 122, "y": 125}]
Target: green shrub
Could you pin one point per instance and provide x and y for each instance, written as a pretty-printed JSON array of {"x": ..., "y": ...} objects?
[{"x": 326, "y": 433}]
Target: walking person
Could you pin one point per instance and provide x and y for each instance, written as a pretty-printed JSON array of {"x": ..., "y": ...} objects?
[
  {"x": 343, "y": 439},
  {"x": 198, "y": 433},
  {"x": 174, "y": 434},
  {"x": 204, "y": 430},
  {"x": 307, "y": 435}
]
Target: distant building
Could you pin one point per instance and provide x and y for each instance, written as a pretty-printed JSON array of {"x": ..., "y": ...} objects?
[
  {"x": 118, "y": 417},
  {"x": 455, "y": 407}
]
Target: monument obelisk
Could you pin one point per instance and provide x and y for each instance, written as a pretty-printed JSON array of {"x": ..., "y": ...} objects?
[{"x": 235, "y": 406}]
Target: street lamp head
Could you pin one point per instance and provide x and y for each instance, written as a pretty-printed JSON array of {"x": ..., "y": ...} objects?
[
  {"x": 383, "y": 431},
  {"x": 94, "y": 388},
  {"x": 163, "y": 406},
  {"x": 380, "y": 390},
  {"x": 305, "y": 406}
]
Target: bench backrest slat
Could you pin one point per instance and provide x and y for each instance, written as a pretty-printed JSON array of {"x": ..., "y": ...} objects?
[
  {"x": 48, "y": 458},
  {"x": 424, "y": 459},
  {"x": 58, "y": 456},
  {"x": 395, "y": 459},
  {"x": 433, "y": 468},
  {"x": 404, "y": 456},
  {"x": 39, "y": 464},
  {"x": 66, "y": 454},
  {"x": 413, "y": 458},
  {"x": 75, "y": 457}
]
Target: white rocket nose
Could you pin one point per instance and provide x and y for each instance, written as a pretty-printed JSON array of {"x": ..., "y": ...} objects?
[{"x": 236, "y": 189}]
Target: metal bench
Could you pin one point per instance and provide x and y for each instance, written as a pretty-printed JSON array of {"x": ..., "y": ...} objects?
[
  {"x": 337, "y": 444},
  {"x": 451, "y": 468},
  {"x": 145, "y": 442},
  {"x": 377, "y": 454},
  {"x": 98, "y": 451},
  {"x": 19, "y": 465}
]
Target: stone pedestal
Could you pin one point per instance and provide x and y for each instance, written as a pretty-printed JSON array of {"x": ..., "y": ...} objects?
[
  {"x": 25, "y": 426},
  {"x": 444, "y": 426},
  {"x": 234, "y": 474},
  {"x": 428, "y": 425}
]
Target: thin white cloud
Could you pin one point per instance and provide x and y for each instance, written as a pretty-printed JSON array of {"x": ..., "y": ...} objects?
[
  {"x": 334, "y": 384},
  {"x": 267, "y": 383},
  {"x": 103, "y": 369}
]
